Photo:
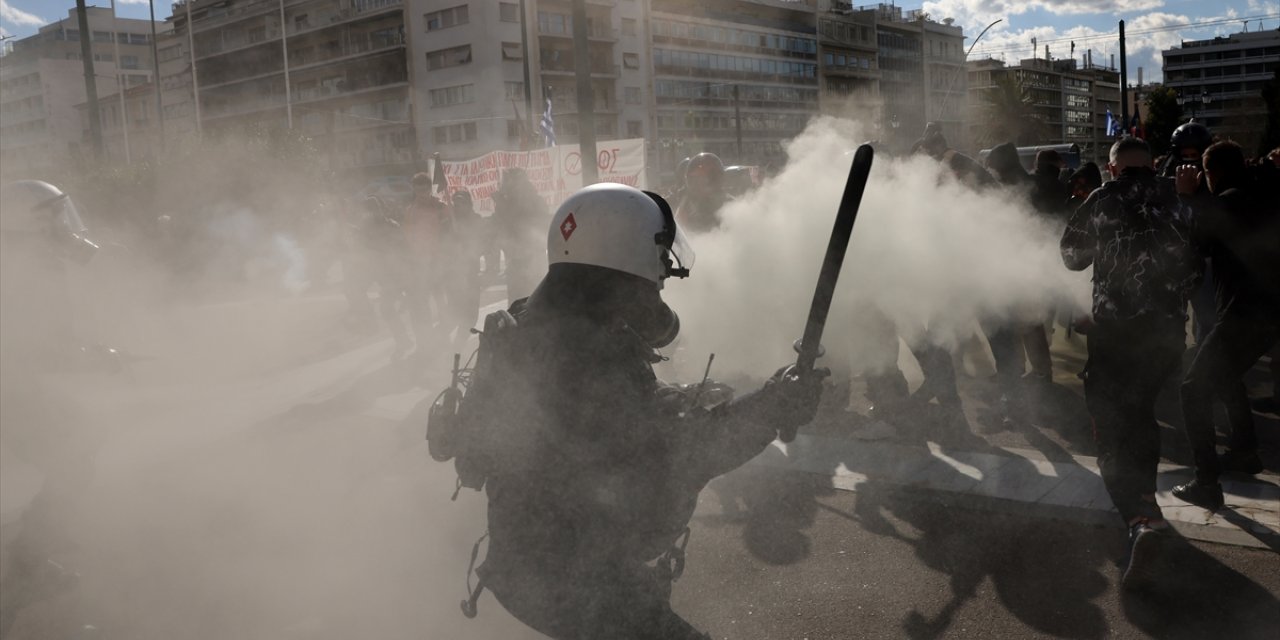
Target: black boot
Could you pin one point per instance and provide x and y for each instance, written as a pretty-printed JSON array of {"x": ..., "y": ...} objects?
[{"x": 1200, "y": 494}]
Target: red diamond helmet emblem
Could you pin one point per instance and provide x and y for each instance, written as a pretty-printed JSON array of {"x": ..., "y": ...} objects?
[{"x": 568, "y": 226}]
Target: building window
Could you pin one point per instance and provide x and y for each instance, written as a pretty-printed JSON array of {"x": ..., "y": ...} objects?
[
  {"x": 514, "y": 90},
  {"x": 129, "y": 62},
  {"x": 301, "y": 22},
  {"x": 512, "y": 51},
  {"x": 464, "y": 132},
  {"x": 508, "y": 12},
  {"x": 628, "y": 26},
  {"x": 102, "y": 36},
  {"x": 445, "y": 18},
  {"x": 451, "y": 57},
  {"x": 631, "y": 60},
  {"x": 449, "y": 96},
  {"x": 513, "y": 129},
  {"x": 631, "y": 95},
  {"x": 635, "y": 129},
  {"x": 554, "y": 23}
]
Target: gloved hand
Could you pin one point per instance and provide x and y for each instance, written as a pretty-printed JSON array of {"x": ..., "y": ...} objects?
[{"x": 794, "y": 398}]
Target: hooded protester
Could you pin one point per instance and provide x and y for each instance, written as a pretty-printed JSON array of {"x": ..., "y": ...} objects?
[
  {"x": 965, "y": 169},
  {"x": 1238, "y": 227},
  {"x": 1049, "y": 193},
  {"x": 1083, "y": 182},
  {"x": 592, "y": 466}
]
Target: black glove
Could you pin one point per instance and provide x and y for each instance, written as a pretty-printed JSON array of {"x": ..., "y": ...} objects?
[{"x": 794, "y": 398}]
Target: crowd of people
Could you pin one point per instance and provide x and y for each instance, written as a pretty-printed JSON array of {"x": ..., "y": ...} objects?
[
  {"x": 430, "y": 260},
  {"x": 1197, "y": 229}
]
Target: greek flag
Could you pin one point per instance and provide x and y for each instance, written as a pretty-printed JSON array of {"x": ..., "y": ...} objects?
[
  {"x": 1114, "y": 128},
  {"x": 548, "y": 126}
]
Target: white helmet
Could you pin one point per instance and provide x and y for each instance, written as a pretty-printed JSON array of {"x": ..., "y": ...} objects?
[
  {"x": 621, "y": 228},
  {"x": 35, "y": 206}
]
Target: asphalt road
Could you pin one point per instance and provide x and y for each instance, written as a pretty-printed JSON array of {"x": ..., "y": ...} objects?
[{"x": 269, "y": 504}]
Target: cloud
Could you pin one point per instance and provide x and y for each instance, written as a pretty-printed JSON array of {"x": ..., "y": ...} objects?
[
  {"x": 1147, "y": 36},
  {"x": 18, "y": 17},
  {"x": 970, "y": 12}
]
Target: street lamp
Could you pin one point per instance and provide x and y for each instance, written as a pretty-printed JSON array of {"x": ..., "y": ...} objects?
[{"x": 1203, "y": 99}]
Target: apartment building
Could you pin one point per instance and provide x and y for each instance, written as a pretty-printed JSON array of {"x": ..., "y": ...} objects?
[
  {"x": 921, "y": 71},
  {"x": 848, "y": 69},
  {"x": 1219, "y": 81},
  {"x": 130, "y": 127},
  {"x": 336, "y": 70},
  {"x": 1070, "y": 100},
  {"x": 42, "y": 81},
  {"x": 710, "y": 57},
  {"x": 472, "y": 59}
]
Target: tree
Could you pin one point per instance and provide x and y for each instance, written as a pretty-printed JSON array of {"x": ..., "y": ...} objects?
[
  {"x": 1163, "y": 115},
  {"x": 1009, "y": 115},
  {"x": 1271, "y": 132}
]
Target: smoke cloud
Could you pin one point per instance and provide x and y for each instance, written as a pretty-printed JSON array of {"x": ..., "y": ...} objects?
[{"x": 925, "y": 251}]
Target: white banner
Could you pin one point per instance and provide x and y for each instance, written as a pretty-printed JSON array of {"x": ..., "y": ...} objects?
[{"x": 555, "y": 172}]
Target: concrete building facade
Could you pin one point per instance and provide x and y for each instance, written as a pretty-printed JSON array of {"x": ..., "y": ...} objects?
[
  {"x": 764, "y": 50},
  {"x": 1069, "y": 100},
  {"x": 470, "y": 65},
  {"x": 335, "y": 70},
  {"x": 42, "y": 81},
  {"x": 1220, "y": 81}
]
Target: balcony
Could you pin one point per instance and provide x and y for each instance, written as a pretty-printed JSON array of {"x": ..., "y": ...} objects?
[
  {"x": 599, "y": 34},
  {"x": 562, "y": 69}
]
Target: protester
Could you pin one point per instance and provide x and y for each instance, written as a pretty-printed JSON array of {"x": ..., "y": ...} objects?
[
  {"x": 1083, "y": 182},
  {"x": 1049, "y": 194},
  {"x": 1239, "y": 229},
  {"x": 1011, "y": 340},
  {"x": 424, "y": 223},
  {"x": 391, "y": 265},
  {"x": 1135, "y": 234},
  {"x": 520, "y": 227},
  {"x": 468, "y": 265}
]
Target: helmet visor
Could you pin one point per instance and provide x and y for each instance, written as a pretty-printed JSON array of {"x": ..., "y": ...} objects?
[
  {"x": 682, "y": 252},
  {"x": 66, "y": 216}
]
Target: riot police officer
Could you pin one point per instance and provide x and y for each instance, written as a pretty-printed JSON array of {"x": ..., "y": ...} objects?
[
  {"x": 704, "y": 194},
  {"x": 593, "y": 467},
  {"x": 41, "y": 234}
]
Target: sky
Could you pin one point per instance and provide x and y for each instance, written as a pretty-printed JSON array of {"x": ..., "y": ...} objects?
[{"x": 1151, "y": 25}]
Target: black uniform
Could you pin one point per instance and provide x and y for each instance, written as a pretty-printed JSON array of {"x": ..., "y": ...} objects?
[
  {"x": 1240, "y": 232},
  {"x": 1136, "y": 235},
  {"x": 602, "y": 466}
]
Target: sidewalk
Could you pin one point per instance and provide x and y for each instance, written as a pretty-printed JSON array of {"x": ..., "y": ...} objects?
[
  {"x": 1024, "y": 481},
  {"x": 1006, "y": 478}
]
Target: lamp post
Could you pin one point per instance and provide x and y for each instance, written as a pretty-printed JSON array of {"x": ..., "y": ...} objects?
[
  {"x": 124, "y": 112},
  {"x": 1204, "y": 99}
]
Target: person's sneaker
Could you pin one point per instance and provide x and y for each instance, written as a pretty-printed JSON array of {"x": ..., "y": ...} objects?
[
  {"x": 1208, "y": 496},
  {"x": 1240, "y": 462},
  {"x": 1145, "y": 544}
]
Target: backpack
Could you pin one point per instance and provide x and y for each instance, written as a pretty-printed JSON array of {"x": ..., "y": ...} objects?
[{"x": 466, "y": 421}]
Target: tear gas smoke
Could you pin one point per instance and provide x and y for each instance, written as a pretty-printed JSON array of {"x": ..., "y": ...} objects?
[{"x": 926, "y": 251}]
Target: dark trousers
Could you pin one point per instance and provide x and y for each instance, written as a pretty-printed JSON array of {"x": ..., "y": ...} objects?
[
  {"x": 1230, "y": 349},
  {"x": 1128, "y": 364}
]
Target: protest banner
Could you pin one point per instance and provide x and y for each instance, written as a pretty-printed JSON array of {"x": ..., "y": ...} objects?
[{"x": 555, "y": 172}]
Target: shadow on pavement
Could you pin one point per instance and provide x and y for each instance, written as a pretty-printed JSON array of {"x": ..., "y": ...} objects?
[
  {"x": 774, "y": 506},
  {"x": 1199, "y": 597}
]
